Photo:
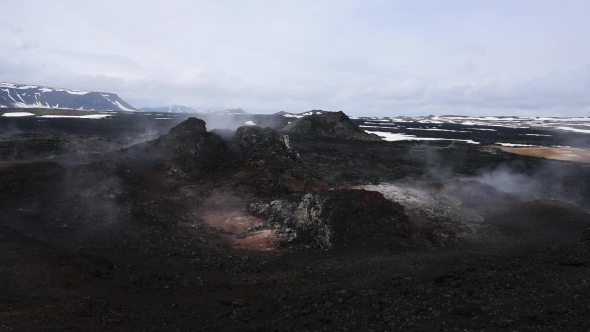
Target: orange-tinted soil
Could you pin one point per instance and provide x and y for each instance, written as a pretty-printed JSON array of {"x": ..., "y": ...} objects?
[{"x": 559, "y": 153}]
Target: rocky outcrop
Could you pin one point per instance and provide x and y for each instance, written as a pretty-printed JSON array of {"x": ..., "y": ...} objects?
[
  {"x": 256, "y": 162},
  {"x": 21, "y": 179},
  {"x": 445, "y": 214},
  {"x": 267, "y": 164},
  {"x": 337, "y": 219},
  {"x": 333, "y": 124},
  {"x": 586, "y": 235},
  {"x": 254, "y": 142},
  {"x": 192, "y": 152}
]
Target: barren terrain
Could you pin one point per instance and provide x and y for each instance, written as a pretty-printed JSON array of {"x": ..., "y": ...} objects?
[
  {"x": 559, "y": 153},
  {"x": 111, "y": 226}
]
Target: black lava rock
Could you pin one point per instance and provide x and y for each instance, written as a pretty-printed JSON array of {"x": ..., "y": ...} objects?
[
  {"x": 334, "y": 124},
  {"x": 193, "y": 151}
]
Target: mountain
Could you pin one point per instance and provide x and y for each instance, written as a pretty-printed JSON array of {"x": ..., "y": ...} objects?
[
  {"x": 228, "y": 112},
  {"x": 170, "y": 109},
  {"x": 185, "y": 109},
  {"x": 32, "y": 96},
  {"x": 300, "y": 115}
]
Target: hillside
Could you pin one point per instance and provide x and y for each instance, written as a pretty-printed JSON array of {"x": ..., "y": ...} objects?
[
  {"x": 334, "y": 124},
  {"x": 33, "y": 96}
]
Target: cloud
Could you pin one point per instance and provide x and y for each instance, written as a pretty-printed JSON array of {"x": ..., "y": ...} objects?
[
  {"x": 557, "y": 89},
  {"x": 381, "y": 57}
]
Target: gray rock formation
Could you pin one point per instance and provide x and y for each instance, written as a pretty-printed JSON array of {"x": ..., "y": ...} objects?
[
  {"x": 268, "y": 163},
  {"x": 338, "y": 218},
  {"x": 191, "y": 150}
]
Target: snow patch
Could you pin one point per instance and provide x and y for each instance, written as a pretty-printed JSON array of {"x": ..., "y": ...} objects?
[
  {"x": 89, "y": 116},
  {"x": 438, "y": 129},
  {"x": 123, "y": 107},
  {"x": 430, "y": 121},
  {"x": 23, "y": 105},
  {"x": 537, "y": 135},
  {"x": 361, "y": 126},
  {"x": 513, "y": 144},
  {"x": 17, "y": 114},
  {"x": 402, "y": 137},
  {"x": 486, "y": 129},
  {"x": 250, "y": 123},
  {"x": 575, "y": 130},
  {"x": 381, "y": 123},
  {"x": 76, "y": 92}
]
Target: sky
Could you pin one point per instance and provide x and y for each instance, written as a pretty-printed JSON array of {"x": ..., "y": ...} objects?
[{"x": 364, "y": 57}]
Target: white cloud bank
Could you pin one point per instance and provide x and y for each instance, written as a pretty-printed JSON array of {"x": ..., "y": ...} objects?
[{"x": 374, "y": 57}]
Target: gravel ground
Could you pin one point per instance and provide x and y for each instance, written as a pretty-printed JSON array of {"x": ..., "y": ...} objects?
[{"x": 112, "y": 242}]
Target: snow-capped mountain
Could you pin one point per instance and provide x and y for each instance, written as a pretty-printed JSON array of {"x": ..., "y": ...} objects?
[
  {"x": 185, "y": 109},
  {"x": 170, "y": 109},
  {"x": 232, "y": 111},
  {"x": 300, "y": 115},
  {"x": 33, "y": 96}
]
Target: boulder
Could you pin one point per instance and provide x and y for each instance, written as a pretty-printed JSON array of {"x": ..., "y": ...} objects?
[
  {"x": 338, "y": 218},
  {"x": 267, "y": 165},
  {"x": 192, "y": 151}
]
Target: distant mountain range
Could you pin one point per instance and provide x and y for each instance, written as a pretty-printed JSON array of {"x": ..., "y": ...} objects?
[
  {"x": 300, "y": 115},
  {"x": 169, "y": 109},
  {"x": 32, "y": 96},
  {"x": 316, "y": 112},
  {"x": 14, "y": 95},
  {"x": 229, "y": 111},
  {"x": 185, "y": 109}
]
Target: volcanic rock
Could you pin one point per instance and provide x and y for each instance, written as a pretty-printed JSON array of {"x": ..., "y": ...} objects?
[
  {"x": 192, "y": 151},
  {"x": 256, "y": 162},
  {"x": 333, "y": 124},
  {"x": 23, "y": 179},
  {"x": 338, "y": 218},
  {"x": 586, "y": 235},
  {"x": 254, "y": 142},
  {"x": 438, "y": 214},
  {"x": 549, "y": 213},
  {"x": 267, "y": 163}
]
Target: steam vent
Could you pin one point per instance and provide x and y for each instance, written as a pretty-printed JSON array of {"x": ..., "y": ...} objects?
[{"x": 289, "y": 222}]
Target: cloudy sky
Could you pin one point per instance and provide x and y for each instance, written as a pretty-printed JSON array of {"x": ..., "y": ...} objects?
[{"x": 365, "y": 57}]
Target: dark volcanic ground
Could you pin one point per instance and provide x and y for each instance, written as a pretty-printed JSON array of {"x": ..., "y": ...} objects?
[{"x": 94, "y": 240}]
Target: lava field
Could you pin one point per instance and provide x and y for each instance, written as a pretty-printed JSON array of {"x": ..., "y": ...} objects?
[{"x": 150, "y": 222}]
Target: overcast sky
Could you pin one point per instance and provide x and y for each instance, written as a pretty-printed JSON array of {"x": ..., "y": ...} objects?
[{"x": 365, "y": 57}]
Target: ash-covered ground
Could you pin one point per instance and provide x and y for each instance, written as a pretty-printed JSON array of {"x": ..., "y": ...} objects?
[{"x": 149, "y": 222}]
